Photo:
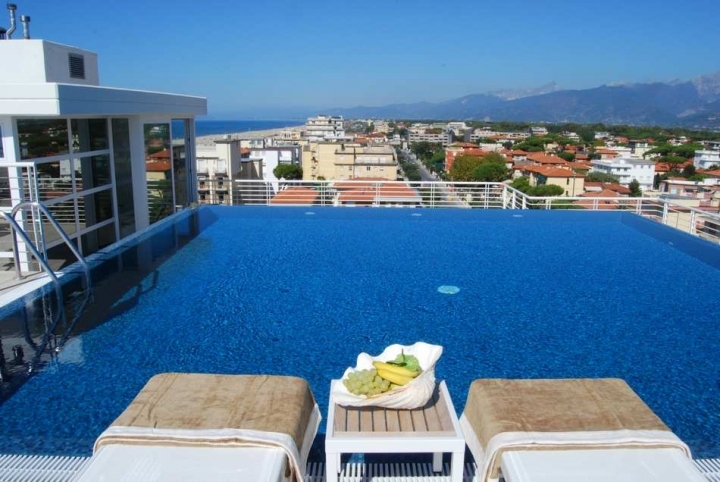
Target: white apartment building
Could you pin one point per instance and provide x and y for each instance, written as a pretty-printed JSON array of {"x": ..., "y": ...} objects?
[
  {"x": 638, "y": 148},
  {"x": 538, "y": 131},
  {"x": 324, "y": 128},
  {"x": 573, "y": 136},
  {"x": 486, "y": 132},
  {"x": 428, "y": 135},
  {"x": 627, "y": 169},
  {"x": 458, "y": 128},
  {"x": 704, "y": 159},
  {"x": 217, "y": 166},
  {"x": 102, "y": 159}
]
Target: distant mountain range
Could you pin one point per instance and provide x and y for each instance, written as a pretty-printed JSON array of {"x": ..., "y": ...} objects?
[{"x": 693, "y": 104}]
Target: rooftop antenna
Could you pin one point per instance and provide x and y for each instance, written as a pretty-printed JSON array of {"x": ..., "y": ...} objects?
[
  {"x": 25, "y": 21},
  {"x": 11, "y": 8}
]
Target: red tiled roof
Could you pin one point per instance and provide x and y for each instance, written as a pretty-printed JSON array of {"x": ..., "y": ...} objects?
[
  {"x": 603, "y": 193},
  {"x": 157, "y": 166},
  {"x": 295, "y": 195},
  {"x": 607, "y": 186},
  {"x": 610, "y": 203},
  {"x": 548, "y": 171},
  {"x": 160, "y": 155},
  {"x": 369, "y": 194},
  {"x": 545, "y": 159}
]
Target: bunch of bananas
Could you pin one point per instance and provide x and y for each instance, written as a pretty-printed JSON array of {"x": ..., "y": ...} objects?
[
  {"x": 396, "y": 373},
  {"x": 385, "y": 376}
]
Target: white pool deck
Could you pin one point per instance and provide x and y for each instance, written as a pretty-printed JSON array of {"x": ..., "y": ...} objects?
[{"x": 15, "y": 468}]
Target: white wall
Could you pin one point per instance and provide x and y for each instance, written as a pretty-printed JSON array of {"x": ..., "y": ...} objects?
[{"x": 38, "y": 61}]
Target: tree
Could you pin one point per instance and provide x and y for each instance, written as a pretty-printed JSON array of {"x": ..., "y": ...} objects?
[
  {"x": 689, "y": 171},
  {"x": 491, "y": 170},
  {"x": 463, "y": 167},
  {"x": 588, "y": 135},
  {"x": 601, "y": 177},
  {"x": 635, "y": 190},
  {"x": 686, "y": 150},
  {"x": 423, "y": 150},
  {"x": 288, "y": 171},
  {"x": 568, "y": 156},
  {"x": 545, "y": 190},
  {"x": 673, "y": 159},
  {"x": 521, "y": 184},
  {"x": 437, "y": 161},
  {"x": 532, "y": 144}
]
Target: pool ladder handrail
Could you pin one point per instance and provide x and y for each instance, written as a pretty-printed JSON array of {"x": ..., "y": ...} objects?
[{"x": 16, "y": 229}]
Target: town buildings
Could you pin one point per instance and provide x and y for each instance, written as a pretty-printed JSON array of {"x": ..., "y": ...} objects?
[
  {"x": 333, "y": 160},
  {"x": 324, "y": 128},
  {"x": 706, "y": 159},
  {"x": 217, "y": 166},
  {"x": 627, "y": 169}
]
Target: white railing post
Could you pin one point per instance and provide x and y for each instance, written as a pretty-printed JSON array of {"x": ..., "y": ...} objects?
[
  {"x": 693, "y": 214},
  {"x": 665, "y": 213}
]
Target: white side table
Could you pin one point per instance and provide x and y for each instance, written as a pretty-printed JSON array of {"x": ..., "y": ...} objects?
[{"x": 433, "y": 428}]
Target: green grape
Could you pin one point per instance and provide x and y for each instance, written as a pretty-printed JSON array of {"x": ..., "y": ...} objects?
[{"x": 366, "y": 382}]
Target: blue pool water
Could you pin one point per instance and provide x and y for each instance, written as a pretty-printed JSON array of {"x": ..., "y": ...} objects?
[{"x": 275, "y": 290}]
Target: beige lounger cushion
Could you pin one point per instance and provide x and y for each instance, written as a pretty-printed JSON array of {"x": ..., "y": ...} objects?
[
  {"x": 545, "y": 414},
  {"x": 206, "y": 405}
]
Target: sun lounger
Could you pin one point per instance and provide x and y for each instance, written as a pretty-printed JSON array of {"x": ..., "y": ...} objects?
[
  {"x": 224, "y": 427},
  {"x": 531, "y": 428}
]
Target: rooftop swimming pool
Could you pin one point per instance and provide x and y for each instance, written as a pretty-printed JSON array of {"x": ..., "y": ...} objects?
[{"x": 294, "y": 291}]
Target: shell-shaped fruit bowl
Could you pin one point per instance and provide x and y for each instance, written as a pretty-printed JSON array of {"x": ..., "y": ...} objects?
[{"x": 413, "y": 395}]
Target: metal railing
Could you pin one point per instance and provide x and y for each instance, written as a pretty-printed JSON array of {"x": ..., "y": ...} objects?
[
  {"x": 679, "y": 214},
  {"x": 38, "y": 209}
]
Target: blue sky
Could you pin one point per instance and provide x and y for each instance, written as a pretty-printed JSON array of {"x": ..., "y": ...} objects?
[{"x": 250, "y": 58}]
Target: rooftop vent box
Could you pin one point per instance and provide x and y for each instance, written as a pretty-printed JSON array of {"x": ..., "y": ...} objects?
[{"x": 36, "y": 61}]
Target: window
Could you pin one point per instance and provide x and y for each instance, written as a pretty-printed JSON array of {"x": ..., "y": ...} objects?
[
  {"x": 42, "y": 137},
  {"x": 89, "y": 135},
  {"x": 123, "y": 176}
]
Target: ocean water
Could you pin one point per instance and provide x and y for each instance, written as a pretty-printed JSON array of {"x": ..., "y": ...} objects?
[
  {"x": 214, "y": 127},
  {"x": 542, "y": 294}
]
